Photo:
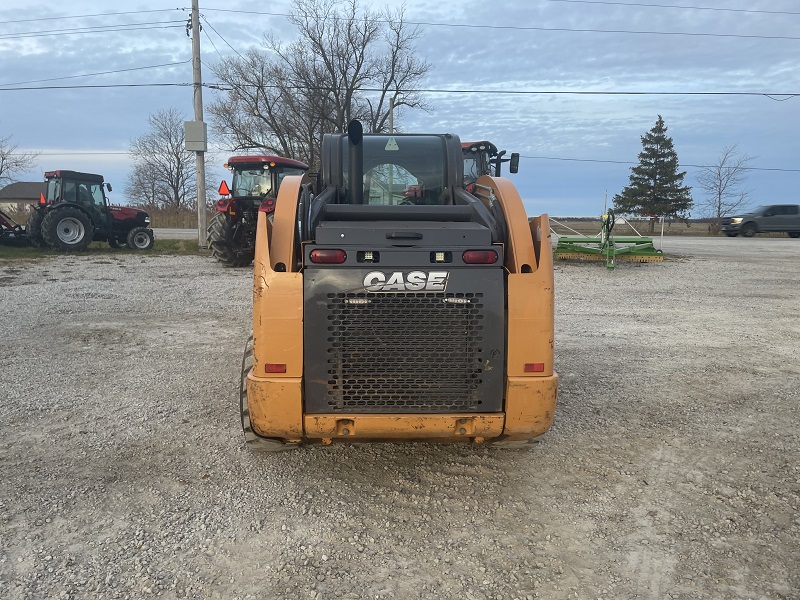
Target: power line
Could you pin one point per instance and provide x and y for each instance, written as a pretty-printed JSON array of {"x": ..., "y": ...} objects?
[
  {"x": 534, "y": 28},
  {"x": 111, "y": 14},
  {"x": 99, "y": 73},
  {"x": 777, "y": 96},
  {"x": 556, "y": 158},
  {"x": 626, "y": 162},
  {"x": 714, "y": 8},
  {"x": 220, "y": 37},
  {"x": 88, "y": 30}
]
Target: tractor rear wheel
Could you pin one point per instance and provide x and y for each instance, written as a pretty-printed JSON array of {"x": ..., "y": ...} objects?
[
  {"x": 67, "y": 229},
  {"x": 254, "y": 442},
  {"x": 140, "y": 238},
  {"x": 224, "y": 245},
  {"x": 33, "y": 229}
]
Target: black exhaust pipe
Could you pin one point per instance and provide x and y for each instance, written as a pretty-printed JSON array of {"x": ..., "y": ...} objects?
[{"x": 355, "y": 175}]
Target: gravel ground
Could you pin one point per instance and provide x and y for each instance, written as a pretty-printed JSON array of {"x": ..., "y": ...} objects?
[{"x": 672, "y": 470}]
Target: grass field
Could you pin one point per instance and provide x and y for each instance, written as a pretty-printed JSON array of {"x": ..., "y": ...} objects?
[{"x": 160, "y": 248}]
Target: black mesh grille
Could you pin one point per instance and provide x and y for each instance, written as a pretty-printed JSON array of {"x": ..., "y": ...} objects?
[{"x": 405, "y": 352}]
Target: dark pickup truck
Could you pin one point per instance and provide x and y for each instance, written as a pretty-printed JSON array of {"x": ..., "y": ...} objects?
[{"x": 765, "y": 219}]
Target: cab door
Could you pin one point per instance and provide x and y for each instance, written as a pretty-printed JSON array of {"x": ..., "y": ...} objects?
[
  {"x": 91, "y": 197},
  {"x": 771, "y": 219}
]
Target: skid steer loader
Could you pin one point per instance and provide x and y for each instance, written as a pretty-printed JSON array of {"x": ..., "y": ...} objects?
[{"x": 396, "y": 306}]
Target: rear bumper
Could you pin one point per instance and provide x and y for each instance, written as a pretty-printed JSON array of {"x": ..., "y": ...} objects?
[{"x": 276, "y": 411}]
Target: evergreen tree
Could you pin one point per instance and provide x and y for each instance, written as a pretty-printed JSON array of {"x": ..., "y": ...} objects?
[{"x": 656, "y": 187}]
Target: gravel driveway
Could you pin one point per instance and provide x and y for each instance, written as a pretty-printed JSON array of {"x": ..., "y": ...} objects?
[{"x": 672, "y": 470}]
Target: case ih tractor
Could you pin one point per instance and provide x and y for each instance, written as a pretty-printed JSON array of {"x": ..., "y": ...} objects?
[
  {"x": 256, "y": 180},
  {"x": 75, "y": 211},
  {"x": 483, "y": 158},
  {"x": 396, "y": 305}
]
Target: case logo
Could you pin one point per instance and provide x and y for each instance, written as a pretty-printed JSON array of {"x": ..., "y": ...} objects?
[{"x": 415, "y": 281}]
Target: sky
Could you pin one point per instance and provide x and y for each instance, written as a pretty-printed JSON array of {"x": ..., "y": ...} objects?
[{"x": 571, "y": 85}]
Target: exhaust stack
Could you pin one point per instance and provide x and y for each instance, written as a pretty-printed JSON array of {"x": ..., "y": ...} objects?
[{"x": 355, "y": 136}]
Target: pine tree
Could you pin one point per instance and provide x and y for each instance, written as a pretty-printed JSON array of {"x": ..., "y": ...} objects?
[{"x": 656, "y": 187}]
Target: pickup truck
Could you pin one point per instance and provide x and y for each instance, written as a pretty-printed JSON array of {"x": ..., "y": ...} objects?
[{"x": 765, "y": 219}]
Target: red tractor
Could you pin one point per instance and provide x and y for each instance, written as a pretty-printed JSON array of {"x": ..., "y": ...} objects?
[
  {"x": 75, "y": 211},
  {"x": 256, "y": 180},
  {"x": 483, "y": 158}
]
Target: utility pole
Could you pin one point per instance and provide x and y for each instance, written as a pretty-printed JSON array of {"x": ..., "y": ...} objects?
[{"x": 198, "y": 117}]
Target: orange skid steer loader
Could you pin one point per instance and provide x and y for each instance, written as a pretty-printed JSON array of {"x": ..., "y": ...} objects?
[{"x": 394, "y": 305}]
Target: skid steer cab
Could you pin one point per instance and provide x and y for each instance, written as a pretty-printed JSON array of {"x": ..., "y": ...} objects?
[
  {"x": 256, "y": 181},
  {"x": 75, "y": 211},
  {"x": 394, "y": 305}
]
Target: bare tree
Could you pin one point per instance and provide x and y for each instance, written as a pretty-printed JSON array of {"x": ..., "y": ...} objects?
[
  {"x": 347, "y": 63},
  {"x": 13, "y": 163},
  {"x": 723, "y": 183},
  {"x": 163, "y": 175}
]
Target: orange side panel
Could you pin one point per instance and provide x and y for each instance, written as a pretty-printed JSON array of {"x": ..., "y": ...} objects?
[
  {"x": 530, "y": 404},
  {"x": 275, "y": 399},
  {"x": 276, "y": 406},
  {"x": 282, "y": 245},
  {"x": 520, "y": 256}
]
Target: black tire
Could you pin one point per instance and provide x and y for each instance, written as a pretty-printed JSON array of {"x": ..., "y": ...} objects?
[
  {"x": 255, "y": 442},
  {"x": 731, "y": 233},
  {"x": 794, "y": 234},
  {"x": 33, "y": 229},
  {"x": 67, "y": 229},
  {"x": 140, "y": 238},
  {"x": 224, "y": 245},
  {"x": 115, "y": 243},
  {"x": 749, "y": 229}
]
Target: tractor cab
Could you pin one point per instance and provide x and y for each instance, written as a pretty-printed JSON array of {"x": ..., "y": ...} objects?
[{"x": 483, "y": 158}]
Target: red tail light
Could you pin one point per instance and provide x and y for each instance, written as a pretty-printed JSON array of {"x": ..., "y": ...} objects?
[
  {"x": 327, "y": 257},
  {"x": 479, "y": 257},
  {"x": 275, "y": 368},
  {"x": 534, "y": 368},
  {"x": 267, "y": 206}
]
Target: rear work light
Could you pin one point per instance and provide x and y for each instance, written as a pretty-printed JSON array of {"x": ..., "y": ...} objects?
[
  {"x": 479, "y": 257},
  {"x": 328, "y": 257}
]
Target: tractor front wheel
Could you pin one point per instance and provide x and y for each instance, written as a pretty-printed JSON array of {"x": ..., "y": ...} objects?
[
  {"x": 67, "y": 229},
  {"x": 226, "y": 246},
  {"x": 140, "y": 238},
  {"x": 33, "y": 229}
]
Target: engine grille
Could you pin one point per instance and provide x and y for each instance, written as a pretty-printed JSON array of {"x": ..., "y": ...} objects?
[{"x": 405, "y": 352}]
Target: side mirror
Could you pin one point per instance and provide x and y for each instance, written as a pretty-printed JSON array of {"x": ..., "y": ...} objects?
[
  {"x": 513, "y": 165},
  {"x": 108, "y": 186}
]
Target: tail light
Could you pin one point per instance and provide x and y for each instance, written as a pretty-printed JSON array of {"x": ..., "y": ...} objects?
[
  {"x": 479, "y": 257},
  {"x": 267, "y": 206},
  {"x": 328, "y": 257}
]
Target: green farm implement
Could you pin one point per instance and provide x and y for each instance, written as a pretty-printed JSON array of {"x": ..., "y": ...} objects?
[{"x": 606, "y": 247}]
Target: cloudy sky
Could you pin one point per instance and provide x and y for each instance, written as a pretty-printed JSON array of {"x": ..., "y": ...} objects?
[{"x": 77, "y": 83}]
